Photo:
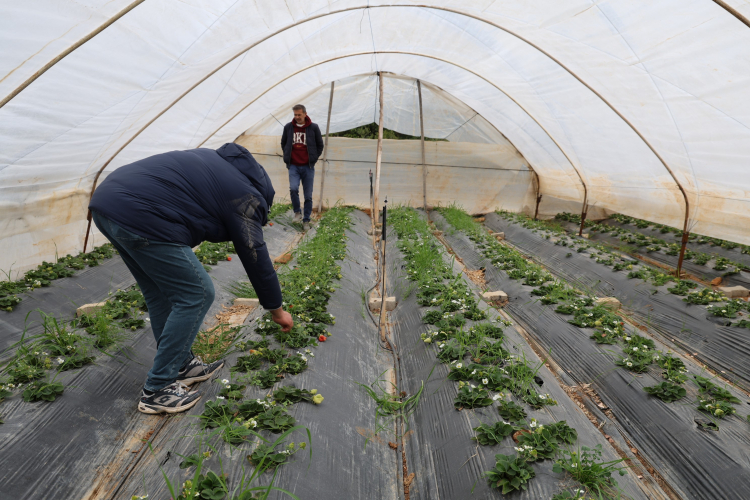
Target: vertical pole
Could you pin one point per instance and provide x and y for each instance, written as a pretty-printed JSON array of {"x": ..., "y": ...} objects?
[
  {"x": 88, "y": 230},
  {"x": 584, "y": 210},
  {"x": 538, "y": 195},
  {"x": 424, "y": 166},
  {"x": 538, "y": 200},
  {"x": 325, "y": 153},
  {"x": 372, "y": 213},
  {"x": 381, "y": 322},
  {"x": 379, "y": 155},
  {"x": 685, "y": 238}
]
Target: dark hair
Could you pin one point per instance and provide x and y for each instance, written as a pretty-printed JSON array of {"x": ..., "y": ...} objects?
[{"x": 297, "y": 107}]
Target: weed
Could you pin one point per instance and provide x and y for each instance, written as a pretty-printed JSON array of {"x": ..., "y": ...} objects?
[{"x": 586, "y": 467}]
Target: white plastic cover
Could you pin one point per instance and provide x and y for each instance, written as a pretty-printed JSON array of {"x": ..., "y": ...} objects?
[{"x": 176, "y": 74}]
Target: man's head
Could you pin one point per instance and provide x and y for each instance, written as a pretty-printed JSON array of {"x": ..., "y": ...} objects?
[{"x": 300, "y": 113}]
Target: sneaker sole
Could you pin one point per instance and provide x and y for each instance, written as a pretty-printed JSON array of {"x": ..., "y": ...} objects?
[
  {"x": 190, "y": 381},
  {"x": 153, "y": 410}
]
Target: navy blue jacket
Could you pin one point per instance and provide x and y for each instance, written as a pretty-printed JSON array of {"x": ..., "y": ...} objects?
[
  {"x": 188, "y": 197},
  {"x": 315, "y": 143}
]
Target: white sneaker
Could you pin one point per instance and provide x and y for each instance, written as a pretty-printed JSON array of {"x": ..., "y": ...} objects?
[{"x": 297, "y": 217}]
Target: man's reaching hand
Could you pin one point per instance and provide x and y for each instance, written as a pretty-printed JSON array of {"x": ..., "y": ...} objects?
[{"x": 282, "y": 318}]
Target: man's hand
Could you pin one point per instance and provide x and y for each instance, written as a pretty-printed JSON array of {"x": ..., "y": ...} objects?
[{"x": 282, "y": 318}]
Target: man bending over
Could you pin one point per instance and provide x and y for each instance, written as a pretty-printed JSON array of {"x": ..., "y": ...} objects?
[{"x": 154, "y": 211}]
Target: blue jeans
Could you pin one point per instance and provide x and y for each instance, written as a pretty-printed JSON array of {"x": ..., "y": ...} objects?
[
  {"x": 305, "y": 174},
  {"x": 178, "y": 293}
]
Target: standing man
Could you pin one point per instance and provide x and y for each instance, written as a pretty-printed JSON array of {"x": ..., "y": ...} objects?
[
  {"x": 302, "y": 144},
  {"x": 154, "y": 211}
]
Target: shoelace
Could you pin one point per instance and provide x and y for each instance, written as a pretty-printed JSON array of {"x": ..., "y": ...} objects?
[{"x": 178, "y": 388}]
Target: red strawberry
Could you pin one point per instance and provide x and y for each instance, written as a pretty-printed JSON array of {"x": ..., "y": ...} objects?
[
  {"x": 228, "y": 257},
  {"x": 322, "y": 338}
]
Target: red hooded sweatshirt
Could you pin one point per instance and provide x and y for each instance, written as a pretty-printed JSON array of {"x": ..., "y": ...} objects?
[{"x": 299, "y": 142}]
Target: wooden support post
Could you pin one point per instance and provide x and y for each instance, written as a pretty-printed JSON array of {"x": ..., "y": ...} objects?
[
  {"x": 325, "y": 153},
  {"x": 538, "y": 194},
  {"x": 379, "y": 155},
  {"x": 538, "y": 200},
  {"x": 424, "y": 166},
  {"x": 685, "y": 238},
  {"x": 584, "y": 211}
]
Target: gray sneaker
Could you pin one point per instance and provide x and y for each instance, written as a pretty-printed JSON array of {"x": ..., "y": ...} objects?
[
  {"x": 297, "y": 217},
  {"x": 198, "y": 371},
  {"x": 174, "y": 398},
  {"x": 306, "y": 226}
]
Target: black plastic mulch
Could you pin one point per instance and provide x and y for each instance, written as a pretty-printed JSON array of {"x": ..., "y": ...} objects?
[
  {"x": 688, "y": 326},
  {"x": 696, "y": 464},
  {"x": 85, "y": 443},
  {"x": 447, "y": 464}
]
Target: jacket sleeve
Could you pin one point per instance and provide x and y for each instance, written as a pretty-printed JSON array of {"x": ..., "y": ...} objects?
[
  {"x": 247, "y": 235},
  {"x": 319, "y": 141},
  {"x": 284, "y": 138}
]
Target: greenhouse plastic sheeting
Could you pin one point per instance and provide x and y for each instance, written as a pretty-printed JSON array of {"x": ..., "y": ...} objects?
[
  {"x": 724, "y": 349},
  {"x": 612, "y": 94},
  {"x": 502, "y": 179},
  {"x": 699, "y": 464}
]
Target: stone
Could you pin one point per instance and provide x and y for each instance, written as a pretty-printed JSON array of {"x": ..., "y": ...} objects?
[
  {"x": 498, "y": 296},
  {"x": 89, "y": 308},
  {"x": 499, "y": 236},
  {"x": 585, "y": 235},
  {"x": 716, "y": 281},
  {"x": 734, "y": 292},
  {"x": 283, "y": 259},
  {"x": 241, "y": 301},
  {"x": 608, "y": 302},
  {"x": 374, "y": 303}
]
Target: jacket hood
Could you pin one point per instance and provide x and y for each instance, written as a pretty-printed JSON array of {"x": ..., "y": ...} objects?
[
  {"x": 308, "y": 121},
  {"x": 243, "y": 161}
]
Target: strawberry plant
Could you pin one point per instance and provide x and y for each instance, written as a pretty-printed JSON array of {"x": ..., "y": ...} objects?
[
  {"x": 275, "y": 419},
  {"x": 666, "y": 391},
  {"x": 728, "y": 309},
  {"x": 511, "y": 473},
  {"x": 492, "y": 434},
  {"x": 267, "y": 457},
  {"x": 42, "y": 390},
  {"x": 511, "y": 411},
  {"x": 290, "y": 395},
  {"x": 471, "y": 396},
  {"x": 231, "y": 391}
]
